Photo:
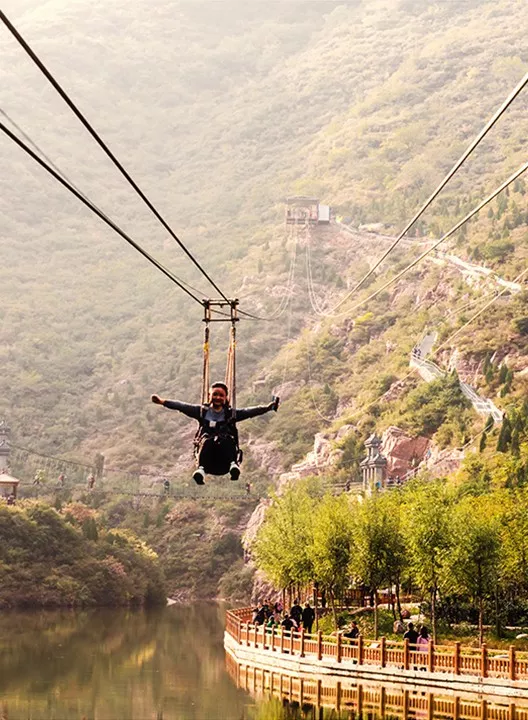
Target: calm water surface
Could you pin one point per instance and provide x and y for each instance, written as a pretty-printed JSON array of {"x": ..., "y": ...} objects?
[{"x": 122, "y": 665}]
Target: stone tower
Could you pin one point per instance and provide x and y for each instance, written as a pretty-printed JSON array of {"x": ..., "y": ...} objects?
[{"x": 374, "y": 466}]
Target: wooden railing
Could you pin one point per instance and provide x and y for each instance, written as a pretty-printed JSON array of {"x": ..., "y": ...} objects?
[
  {"x": 478, "y": 662},
  {"x": 364, "y": 699}
]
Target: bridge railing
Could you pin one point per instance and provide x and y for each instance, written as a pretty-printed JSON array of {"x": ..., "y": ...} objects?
[{"x": 478, "y": 662}]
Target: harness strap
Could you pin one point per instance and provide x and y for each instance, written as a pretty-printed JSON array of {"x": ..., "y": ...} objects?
[{"x": 205, "y": 371}]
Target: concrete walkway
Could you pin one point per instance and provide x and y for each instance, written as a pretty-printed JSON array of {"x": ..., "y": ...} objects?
[{"x": 429, "y": 371}]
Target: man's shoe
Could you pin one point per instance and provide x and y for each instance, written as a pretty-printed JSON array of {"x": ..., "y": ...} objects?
[
  {"x": 234, "y": 471},
  {"x": 199, "y": 476}
]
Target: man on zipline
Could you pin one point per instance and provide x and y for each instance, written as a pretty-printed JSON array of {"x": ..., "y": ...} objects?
[{"x": 216, "y": 442}]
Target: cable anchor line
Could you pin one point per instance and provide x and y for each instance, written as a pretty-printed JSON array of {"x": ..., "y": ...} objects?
[{"x": 64, "y": 95}]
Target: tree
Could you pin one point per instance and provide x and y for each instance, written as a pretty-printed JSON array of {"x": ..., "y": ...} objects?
[
  {"x": 472, "y": 564},
  {"x": 426, "y": 514},
  {"x": 513, "y": 571},
  {"x": 282, "y": 544},
  {"x": 331, "y": 548},
  {"x": 505, "y": 435},
  {"x": 373, "y": 532},
  {"x": 397, "y": 559}
]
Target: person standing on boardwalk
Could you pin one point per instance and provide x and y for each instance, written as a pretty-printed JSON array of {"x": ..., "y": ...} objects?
[
  {"x": 296, "y": 612},
  {"x": 308, "y": 617},
  {"x": 411, "y": 635}
]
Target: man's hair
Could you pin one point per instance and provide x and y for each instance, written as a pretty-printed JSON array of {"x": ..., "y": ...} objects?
[{"x": 220, "y": 385}]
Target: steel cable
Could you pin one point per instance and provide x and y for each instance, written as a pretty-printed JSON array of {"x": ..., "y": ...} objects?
[{"x": 38, "y": 62}]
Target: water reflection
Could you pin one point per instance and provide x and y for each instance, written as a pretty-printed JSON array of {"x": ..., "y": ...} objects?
[
  {"x": 117, "y": 665},
  {"x": 280, "y": 695}
]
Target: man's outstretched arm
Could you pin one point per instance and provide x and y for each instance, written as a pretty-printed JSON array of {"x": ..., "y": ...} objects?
[
  {"x": 246, "y": 413},
  {"x": 192, "y": 411}
]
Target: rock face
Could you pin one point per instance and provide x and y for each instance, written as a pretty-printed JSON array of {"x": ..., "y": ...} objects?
[
  {"x": 323, "y": 456},
  {"x": 254, "y": 523},
  {"x": 264, "y": 454},
  {"x": 403, "y": 452},
  {"x": 443, "y": 462}
]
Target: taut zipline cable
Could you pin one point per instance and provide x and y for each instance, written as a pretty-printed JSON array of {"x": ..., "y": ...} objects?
[
  {"x": 73, "y": 185},
  {"x": 433, "y": 247},
  {"x": 38, "y": 62},
  {"x": 511, "y": 97},
  {"x": 96, "y": 211}
]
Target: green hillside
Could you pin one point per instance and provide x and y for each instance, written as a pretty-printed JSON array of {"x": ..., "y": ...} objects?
[{"x": 220, "y": 111}]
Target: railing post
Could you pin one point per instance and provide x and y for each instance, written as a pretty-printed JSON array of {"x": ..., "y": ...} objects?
[
  {"x": 406, "y": 700},
  {"x": 360, "y": 650},
  {"x": 318, "y": 696},
  {"x": 383, "y": 652},
  {"x": 247, "y": 633},
  {"x": 456, "y": 659},
  {"x": 339, "y": 646},
  {"x": 456, "y": 708},
  {"x": 338, "y": 696},
  {"x": 282, "y": 640},
  {"x": 512, "y": 711},
  {"x": 382, "y": 702},
  {"x": 431, "y": 657},
  {"x": 291, "y": 640},
  {"x": 255, "y": 639},
  {"x": 302, "y": 643},
  {"x": 359, "y": 699},
  {"x": 406, "y": 654},
  {"x": 484, "y": 661},
  {"x": 430, "y": 706},
  {"x": 273, "y": 638},
  {"x": 319, "y": 645},
  {"x": 484, "y": 710},
  {"x": 513, "y": 673}
]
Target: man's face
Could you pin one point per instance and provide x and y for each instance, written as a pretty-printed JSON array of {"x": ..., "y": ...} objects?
[{"x": 218, "y": 397}]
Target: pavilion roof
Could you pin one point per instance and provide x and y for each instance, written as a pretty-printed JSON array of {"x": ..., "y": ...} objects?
[{"x": 6, "y": 479}]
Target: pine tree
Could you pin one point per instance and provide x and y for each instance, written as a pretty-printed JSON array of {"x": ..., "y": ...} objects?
[
  {"x": 503, "y": 373},
  {"x": 483, "y": 439},
  {"x": 515, "y": 443},
  {"x": 505, "y": 435}
]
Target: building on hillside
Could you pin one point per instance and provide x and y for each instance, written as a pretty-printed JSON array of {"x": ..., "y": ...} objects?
[
  {"x": 8, "y": 484},
  {"x": 323, "y": 215},
  {"x": 374, "y": 466},
  {"x": 301, "y": 210}
]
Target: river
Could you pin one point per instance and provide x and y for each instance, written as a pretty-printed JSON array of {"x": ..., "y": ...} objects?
[{"x": 167, "y": 664}]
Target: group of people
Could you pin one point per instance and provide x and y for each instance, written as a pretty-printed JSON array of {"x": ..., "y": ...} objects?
[
  {"x": 418, "y": 639},
  {"x": 273, "y": 615}
]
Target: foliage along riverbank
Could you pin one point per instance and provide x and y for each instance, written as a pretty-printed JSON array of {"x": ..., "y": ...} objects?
[
  {"x": 52, "y": 559},
  {"x": 460, "y": 542}
]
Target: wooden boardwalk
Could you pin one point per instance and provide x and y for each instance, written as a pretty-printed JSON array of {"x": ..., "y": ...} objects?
[{"x": 481, "y": 670}]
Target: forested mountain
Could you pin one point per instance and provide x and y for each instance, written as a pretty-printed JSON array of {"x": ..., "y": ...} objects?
[{"x": 220, "y": 110}]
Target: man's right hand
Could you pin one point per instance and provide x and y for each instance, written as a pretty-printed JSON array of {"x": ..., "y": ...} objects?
[{"x": 157, "y": 400}]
